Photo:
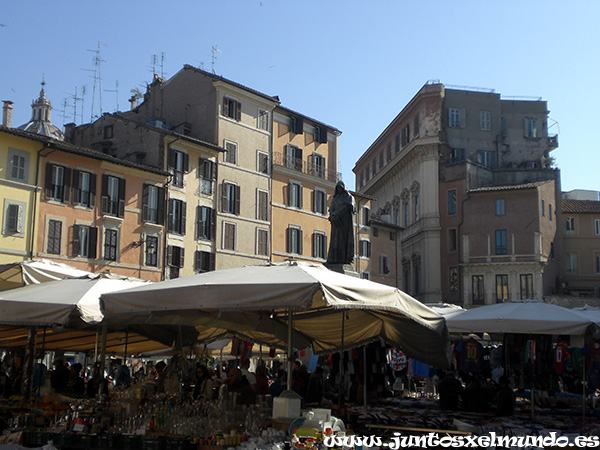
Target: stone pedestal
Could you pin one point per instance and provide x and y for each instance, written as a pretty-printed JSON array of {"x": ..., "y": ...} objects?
[{"x": 346, "y": 269}]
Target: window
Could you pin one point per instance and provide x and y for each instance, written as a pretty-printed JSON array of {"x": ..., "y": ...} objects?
[
  {"x": 232, "y": 108},
  {"x": 531, "y": 130},
  {"x": 153, "y": 204},
  {"x": 406, "y": 215},
  {"x": 457, "y": 154},
  {"x": 365, "y": 276},
  {"x": 262, "y": 242},
  {"x": 526, "y": 286},
  {"x": 366, "y": 215},
  {"x": 501, "y": 288},
  {"x": 207, "y": 172},
  {"x": 18, "y": 165},
  {"x": 417, "y": 275},
  {"x": 263, "y": 120},
  {"x": 478, "y": 294},
  {"x": 294, "y": 240},
  {"x": 485, "y": 120},
  {"x": 416, "y": 203},
  {"x": 293, "y": 157},
  {"x": 179, "y": 164},
  {"x": 295, "y": 194},
  {"x": 296, "y": 125},
  {"x": 108, "y": 132},
  {"x": 230, "y": 198},
  {"x": 319, "y": 245},
  {"x": 175, "y": 256},
  {"x": 452, "y": 242},
  {"x": 364, "y": 248},
  {"x": 176, "y": 216},
  {"x": 319, "y": 201},
  {"x": 85, "y": 239},
  {"x": 457, "y": 118},
  {"x": 262, "y": 163},
  {"x": 500, "y": 210},
  {"x": 453, "y": 279},
  {"x": 384, "y": 264},
  {"x": 320, "y": 134},
  {"x": 113, "y": 196},
  {"x": 571, "y": 262},
  {"x": 84, "y": 188},
  {"x": 205, "y": 223},
  {"x": 405, "y": 133},
  {"x": 597, "y": 227},
  {"x": 381, "y": 162},
  {"x": 406, "y": 275},
  {"x": 58, "y": 180},
  {"x": 111, "y": 246},
  {"x": 543, "y": 208},
  {"x": 14, "y": 212},
  {"x": 262, "y": 205},
  {"x": 570, "y": 223},
  {"x": 230, "y": 155},
  {"x": 228, "y": 236},
  {"x": 500, "y": 242},
  {"x": 397, "y": 144},
  {"x": 204, "y": 261},
  {"x": 361, "y": 182},
  {"x": 375, "y": 232},
  {"x": 152, "y": 251},
  {"x": 389, "y": 151},
  {"x": 486, "y": 158},
  {"x": 452, "y": 202},
  {"x": 416, "y": 125},
  {"x": 550, "y": 212},
  {"x": 54, "y": 236},
  {"x": 318, "y": 165},
  {"x": 597, "y": 264}
]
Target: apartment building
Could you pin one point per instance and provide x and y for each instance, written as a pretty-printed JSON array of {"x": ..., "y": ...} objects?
[
  {"x": 186, "y": 205},
  {"x": 424, "y": 172},
  {"x": 304, "y": 175},
  {"x": 238, "y": 119},
  {"x": 580, "y": 271},
  {"x": 81, "y": 207}
]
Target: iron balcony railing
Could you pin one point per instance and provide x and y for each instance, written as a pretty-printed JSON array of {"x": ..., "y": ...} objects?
[{"x": 306, "y": 167}]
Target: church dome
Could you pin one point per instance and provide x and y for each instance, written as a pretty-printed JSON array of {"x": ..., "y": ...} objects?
[{"x": 40, "y": 118}]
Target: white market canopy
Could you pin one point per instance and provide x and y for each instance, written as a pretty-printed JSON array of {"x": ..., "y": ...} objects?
[
  {"x": 331, "y": 311},
  {"x": 525, "y": 317},
  {"x": 36, "y": 271}
]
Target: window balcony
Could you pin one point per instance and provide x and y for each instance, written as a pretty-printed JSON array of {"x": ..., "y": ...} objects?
[{"x": 316, "y": 170}]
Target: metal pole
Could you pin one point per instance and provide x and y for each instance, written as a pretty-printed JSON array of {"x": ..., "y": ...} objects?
[
  {"x": 289, "y": 349},
  {"x": 583, "y": 359},
  {"x": 125, "y": 351},
  {"x": 365, "y": 376},
  {"x": 102, "y": 361},
  {"x": 341, "y": 365}
]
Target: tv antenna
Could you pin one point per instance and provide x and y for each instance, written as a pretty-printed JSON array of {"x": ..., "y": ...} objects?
[
  {"x": 97, "y": 77},
  {"x": 215, "y": 50},
  {"x": 116, "y": 90},
  {"x": 155, "y": 65},
  {"x": 75, "y": 99}
]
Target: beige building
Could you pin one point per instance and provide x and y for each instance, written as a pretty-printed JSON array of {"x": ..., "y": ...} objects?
[
  {"x": 305, "y": 161},
  {"x": 185, "y": 206},
  {"x": 581, "y": 243},
  {"x": 424, "y": 169}
]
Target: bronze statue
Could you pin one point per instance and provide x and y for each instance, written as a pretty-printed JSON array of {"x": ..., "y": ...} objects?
[{"x": 341, "y": 210}]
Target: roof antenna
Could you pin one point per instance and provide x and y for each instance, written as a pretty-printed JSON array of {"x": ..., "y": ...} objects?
[{"x": 214, "y": 57}]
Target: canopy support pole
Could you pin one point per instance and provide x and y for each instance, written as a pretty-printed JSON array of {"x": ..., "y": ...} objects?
[
  {"x": 583, "y": 385},
  {"x": 125, "y": 350},
  {"x": 341, "y": 366},
  {"x": 102, "y": 361},
  {"x": 28, "y": 364},
  {"x": 365, "y": 377},
  {"x": 289, "y": 349}
]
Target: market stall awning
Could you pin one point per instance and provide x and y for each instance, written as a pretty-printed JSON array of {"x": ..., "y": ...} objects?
[
  {"x": 525, "y": 316},
  {"x": 332, "y": 311},
  {"x": 36, "y": 271}
]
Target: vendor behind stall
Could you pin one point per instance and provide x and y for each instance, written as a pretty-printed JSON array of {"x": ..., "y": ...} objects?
[{"x": 237, "y": 383}]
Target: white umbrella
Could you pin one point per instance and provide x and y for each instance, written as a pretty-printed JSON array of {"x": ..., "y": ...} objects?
[
  {"x": 332, "y": 311},
  {"x": 525, "y": 317},
  {"x": 56, "y": 303}
]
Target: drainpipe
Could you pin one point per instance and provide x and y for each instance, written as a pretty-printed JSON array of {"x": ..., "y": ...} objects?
[{"x": 35, "y": 196}]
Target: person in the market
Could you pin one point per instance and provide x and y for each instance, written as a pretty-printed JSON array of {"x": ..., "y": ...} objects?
[
  {"x": 250, "y": 376},
  {"x": 450, "y": 390},
  {"x": 505, "y": 398},
  {"x": 279, "y": 385},
  {"x": 262, "y": 380},
  {"x": 237, "y": 383},
  {"x": 314, "y": 389},
  {"x": 76, "y": 382},
  {"x": 59, "y": 378},
  {"x": 204, "y": 383}
]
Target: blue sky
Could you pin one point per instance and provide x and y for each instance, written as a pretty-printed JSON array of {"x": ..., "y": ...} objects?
[{"x": 351, "y": 64}]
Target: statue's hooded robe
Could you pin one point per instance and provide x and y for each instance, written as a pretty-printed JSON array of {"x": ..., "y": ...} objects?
[{"x": 341, "y": 212}]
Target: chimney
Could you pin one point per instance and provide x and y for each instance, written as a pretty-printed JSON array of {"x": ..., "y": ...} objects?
[{"x": 7, "y": 113}]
